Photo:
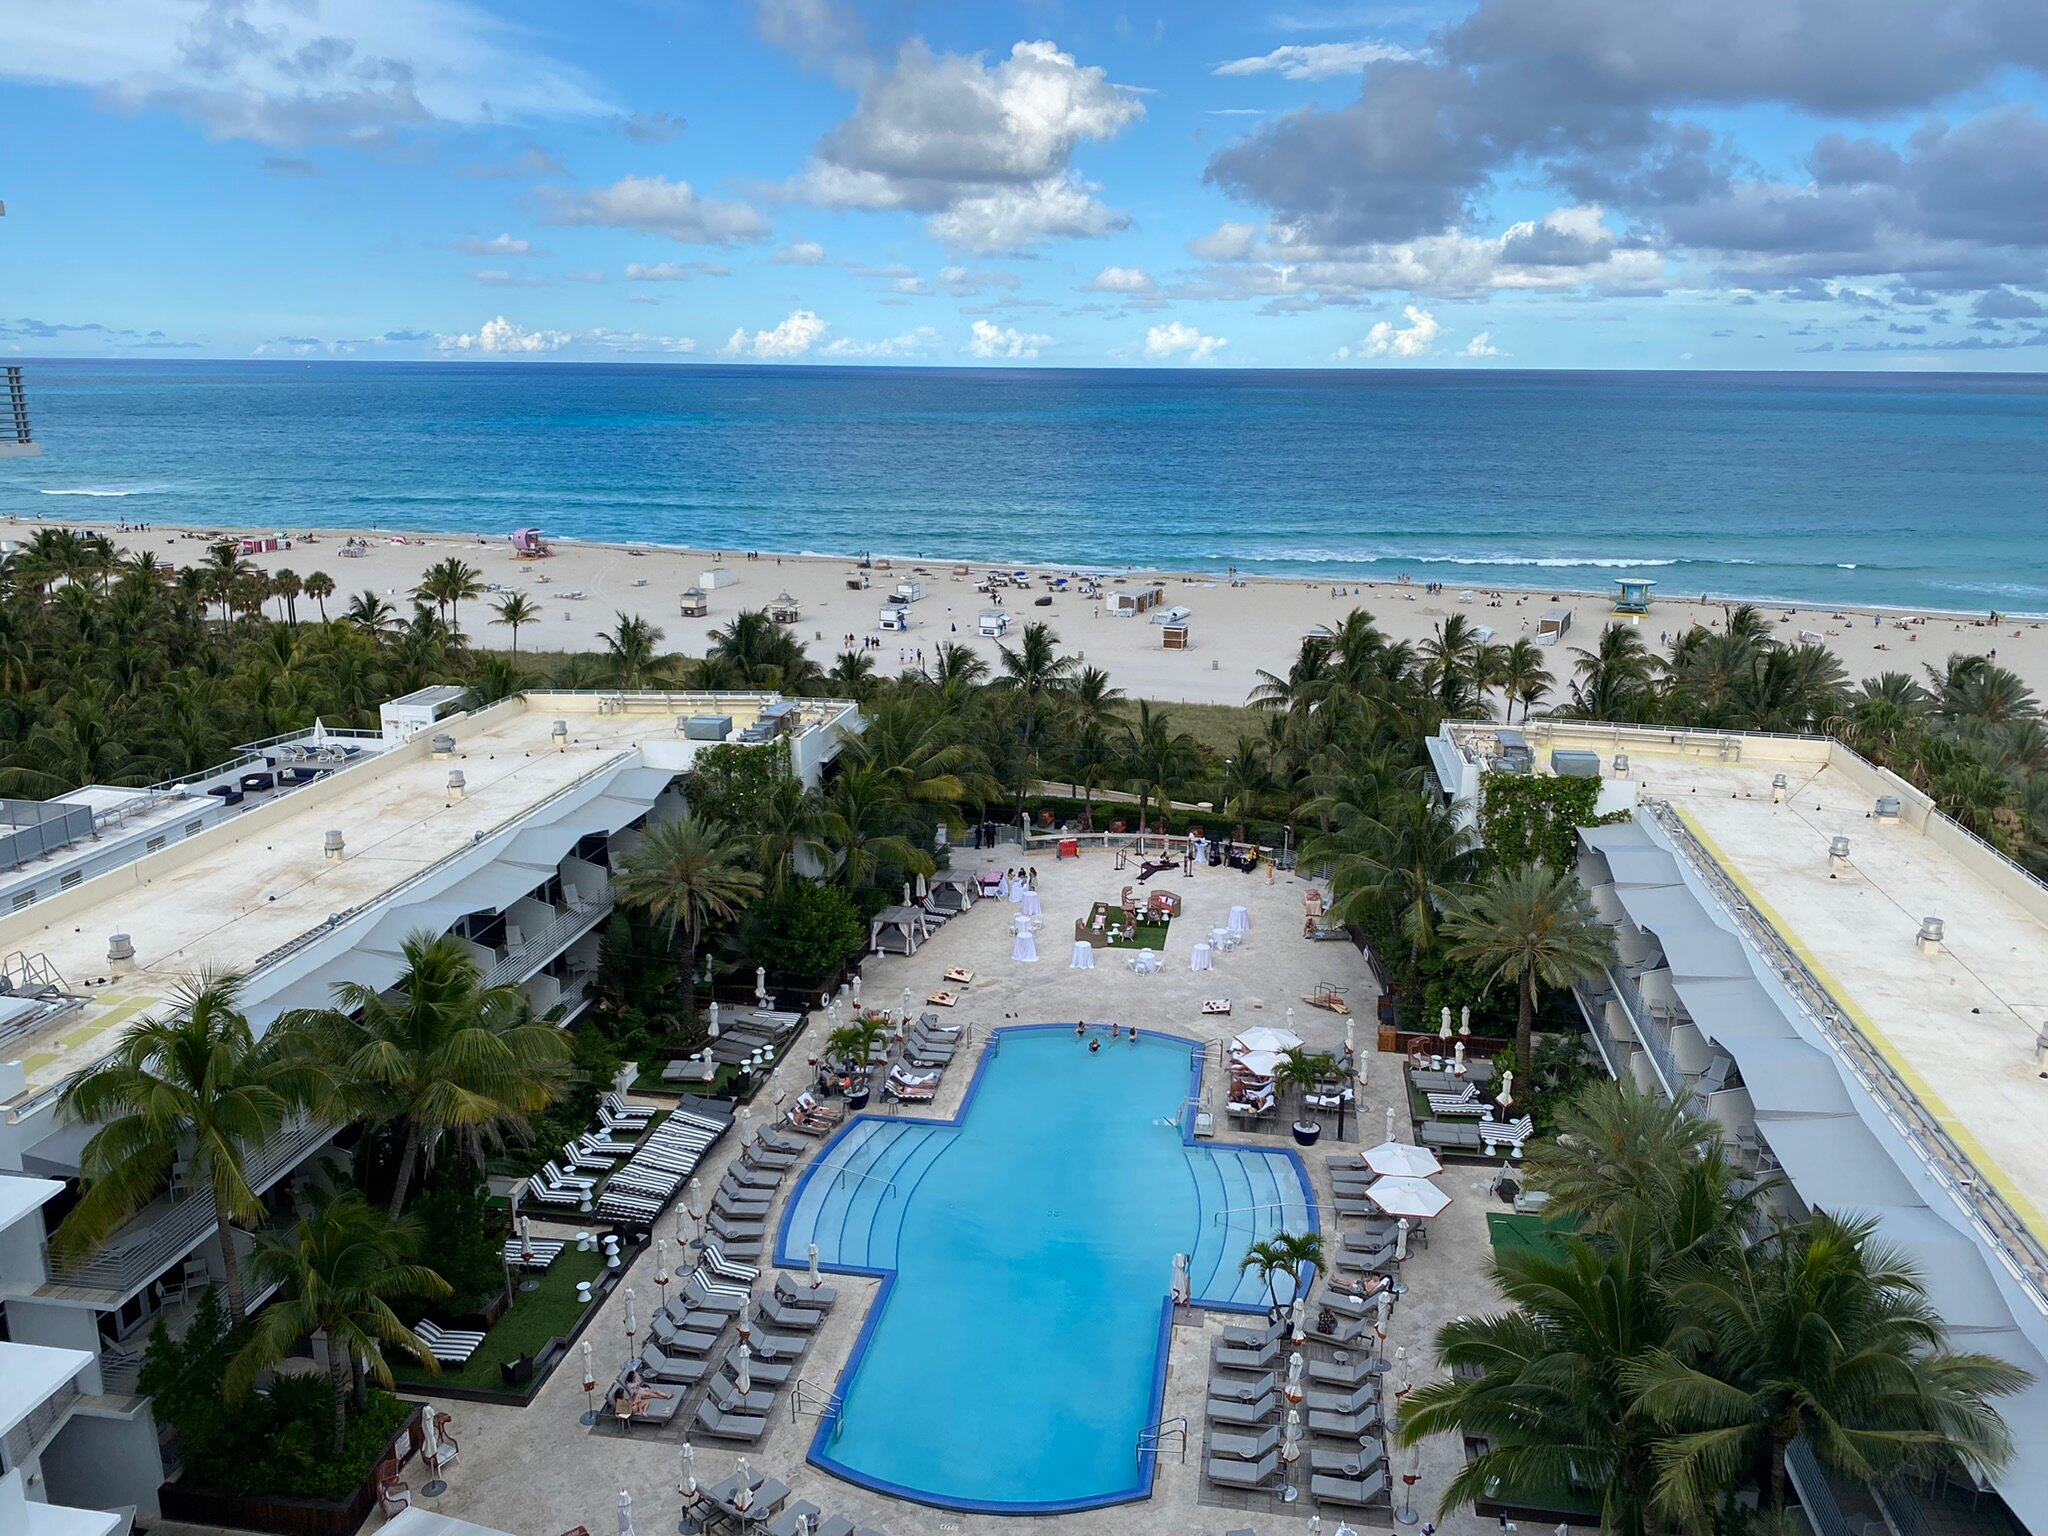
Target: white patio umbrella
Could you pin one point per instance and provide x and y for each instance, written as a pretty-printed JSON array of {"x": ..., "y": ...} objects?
[
  {"x": 712, "y": 1031},
  {"x": 526, "y": 1239},
  {"x": 1506, "y": 1096},
  {"x": 1294, "y": 1390},
  {"x": 923, "y": 890},
  {"x": 761, "y": 982},
  {"x": 743, "y": 1374},
  {"x": 1288, "y": 1024},
  {"x": 632, "y": 1318},
  {"x": 661, "y": 1266},
  {"x": 625, "y": 1513},
  {"x": 1265, "y": 1037},
  {"x": 776, "y": 1091},
  {"x": 1401, "y": 1241},
  {"x": 743, "y": 1490},
  {"x": 1401, "y": 1159},
  {"x": 906, "y": 893},
  {"x": 1404, "y": 1195},
  {"x": 1299, "y": 1319},
  {"x": 686, "y": 1484},
  {"x": 1465, "y": 1022},
  {"x": 1259, "y": 1063},
  {"x": 856, "y": 988},
  {"x": 1181, "y": 1286},
  {"x": 745, "y": 1116},
  {"x": 1444, "y": 1030},
  {"x": 1384, "y": 1304},
  {"x": 589, "y": 1374},
  {"x": 811, "y": 1255},
  {"x": 682, "y": 1211},
  {"x": 694, "y": 1201},
  {"x": 1350, "y": 1035},
  {"x": 1390, "y": 1122},
  {"x": 1290, "y": 1446},
  {"x": 1315, "y": 1525},
  {"x": 430, "y": 1454},
  {"x": 906, "y": 1005},
  {"x": 1458, "y": 1058}
]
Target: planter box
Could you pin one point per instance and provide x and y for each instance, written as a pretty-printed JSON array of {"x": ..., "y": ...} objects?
[
  {"x": 1307, "y": 1132},
  {"x": 285, "y": 1516}
]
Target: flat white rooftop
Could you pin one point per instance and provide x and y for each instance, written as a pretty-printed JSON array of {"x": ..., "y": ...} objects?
[
  {"x": 1959, "y": 1026},
  {"x": 32, "y": 1374},
  {"x": 229, "y": 897}
]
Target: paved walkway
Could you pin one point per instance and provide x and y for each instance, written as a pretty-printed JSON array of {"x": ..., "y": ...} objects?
[{"x": 537, "y": 1471}]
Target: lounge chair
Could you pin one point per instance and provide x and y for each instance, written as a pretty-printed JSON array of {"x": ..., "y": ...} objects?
[
  {"x": 1349, "y": 1463},
  {"x": 1243, "y": 1474},
  {"x": 726, "y": 1204},
  {"x": 1459, "y": 1138},
  {"x": 793, "y": 1519},
  {"x": 717, "y": 1263},
  {"x": 1343, "y": 1426},
  {"x": 1376, "y": 1231},
  {"x": 732, "y": 1230},
  {"x": 720, "y": 1425},
  {"x": 759, "y": 1154},
  {"x": 1246, "y": 1336},
  {"x": 1244, "y": 1447},
  {"x": 1361, "y": 1398},
  {"x": 1258, "y": 1411},
  {"x": 1227, "y": 1358},
  {"x": 1346, "y": 1373},
  {"x": 1358, "y": 1493},
  {"x": 1346, "y": 1331},
  {"x": 661, "y": 1366},
  {"x": 775, "y": 1141},
  {"x": 1244, "y": 1391},
  {"x": 836, "y": 1525},
  {"x": 726, "y": 1393},
  {"x": 1361, "y": 1261},
  {"x": 746, "y": 1176},
  {"x": 801, "y": 1293},
  {"x": 777, "y": 1346},
  {"x": 775, "y": 1311},
  {"x": 1510, "y": 1134},
  {"x": 811, "y": 1108},
  {"x": 683, "y": 1341},
  {"x": 659, "y": 1410},
  {"x": 774, "y": 1372},
  {"x": 448, "y": 1346},
  {"x": 700, "y": 1293}
]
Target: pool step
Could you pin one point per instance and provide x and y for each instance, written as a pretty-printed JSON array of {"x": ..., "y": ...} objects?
[{"x": 851, "y": 1203}]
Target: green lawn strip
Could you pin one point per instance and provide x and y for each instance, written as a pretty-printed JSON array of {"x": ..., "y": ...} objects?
[
  {"x": 1516, "y": 1229},
  {"x": 720, "y": 1086},
  {"x": 536, "y": 1317}
]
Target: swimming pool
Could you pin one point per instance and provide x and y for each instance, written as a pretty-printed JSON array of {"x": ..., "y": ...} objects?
[{"x": 1018, "y": 1347}]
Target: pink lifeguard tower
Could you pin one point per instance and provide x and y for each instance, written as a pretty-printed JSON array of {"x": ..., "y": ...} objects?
[{"x": 527, "y": 544}]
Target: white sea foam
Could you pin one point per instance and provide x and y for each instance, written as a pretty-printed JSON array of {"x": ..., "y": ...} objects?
[{"x": 103, "y": 490}]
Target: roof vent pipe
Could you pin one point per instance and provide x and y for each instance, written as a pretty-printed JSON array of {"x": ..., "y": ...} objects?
[
  {"x": 120, "y": 954},
  {"x": 560, "y": 735},
  {"x": 1780, "y": 785},
  {"x": 1621, "y": 765},
  {"x": 1928, "y": 940},
  {"x": 1838, "y": 856},
  {"x": 1887, "y": 813},
  {"x": 458, "y": 786},
  {"x": 444, "y": 745},
  {"x": 333, "y": 847}
]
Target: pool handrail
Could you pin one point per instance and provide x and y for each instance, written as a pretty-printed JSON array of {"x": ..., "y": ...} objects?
[{"x": 840, "y": 1173}]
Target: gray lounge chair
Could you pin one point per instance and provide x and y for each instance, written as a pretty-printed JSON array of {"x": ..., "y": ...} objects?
[
  {"x": 1227, "y": 1358},
  {"x": 1349, "y": 1463},
  {"x": 720, "y": 1425},
  {"x": 749, "y": 1177},
  {"x": 726, "y": 1204},
  {"x": 1258, "y": 1411},
  {"x": 660, "y": 1410},
  {"x": 1243, "y": 1474},
  {"x": 1358, "y": 1494},
  {"x": 792, "y": 1519},
  {"x": 1360, "y": 1399},
  {"x": 1380, "y": 1229},
  {"x": 665, "y": 1368},
  {"x": 775, "y": 1141},
  {"x": 1244, "y": 1391},
  {"x": 774, "y": 1372},
  {"x": 1247, "y": 1336},
  {"x": 800, "y": 1293},
  {"x": 1365, "y": 1261},
  {"x": 683, "y": 1341},
  {"x": 730, "y": 1230},
  {"x": 1344, "y": 1426},
  {"x": 725, "y": 1392},
  {"x": 1451, "y": 1137},
  {"x": 774, "y": 1310},
  {"x": 1244, "y": 1447},
  {"x": 1347, "y": 1374},
  {"x": 836, "y": 1525},
  {"x": 1347, "y": 1331},
  {"x": 760, "y": 1155},
  {"x": 698, "y": 1294}
]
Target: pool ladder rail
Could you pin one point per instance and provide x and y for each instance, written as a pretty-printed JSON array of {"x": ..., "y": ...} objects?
[
  {"x": 888, "y": 1185},
  {"x": 1154, "y": 1439},
  {"x": 816, "y": 1401}
]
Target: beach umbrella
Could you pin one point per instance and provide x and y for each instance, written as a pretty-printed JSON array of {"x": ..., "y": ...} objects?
[
  {"x": 1290, "y": 1447},
  {"x": 906, "y": 893},
  {"x": 743, "y": 1372},
  {"x": 1350, "y": 1035},
  {"x": 1444, "y": 1031},
  {"x": 746, "y": 1115},
  {"x": 1259, "y": 1063},
  {"x": 1294, "y": 1390},
  {"x": 686, "y": 1484},
  {"x": 1465, "y": 1022},
  {"x": 906, "y": 1005},
  {"x": 695, "y": 1202},
  {"x": 526, "y": 1239},
  {"x": 923, "y": 890},
  {"x": 1299, "y": 1318},
  {"x": 761, "y": 983},
  {"x": 743, "y": 1488},
  {"x": 856, "y": 987},
  {"x": 682, "y": 1211},
  {"x": 625, "y": 1513},
  {"x": 632, "y": 1318},
  {"x": 1458, "y": 1058},
  {"x": 1265, "y": 1038},
  {"x": 661, "y": 1267},
  {"x": 1181, "y": 1287},
  {"x": 430, "y": 1453},
  {"x": 712, "y": 1032},
  {"x": 1405, "y": 1195},
  {"x": 1315, "y": 1525},
  {"x": 1401, "y": 1241},
  {"x": 1390, "y": 1122},
  {"x": 1506, "y": 1096},
  {"x": 1289, "y": 1025},
  {"x": 1384, "y": 1303},
  {"x": 1400, "y": 1159},
  {"x": 776, "y": 1091},
  {"x": 811, "y": 1255}
]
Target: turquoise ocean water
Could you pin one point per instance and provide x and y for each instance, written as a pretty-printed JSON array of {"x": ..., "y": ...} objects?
[{"x": 1915, "y": 490}]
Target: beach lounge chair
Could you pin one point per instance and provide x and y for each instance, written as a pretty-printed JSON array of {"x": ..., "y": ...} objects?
[
  {"x": 1509, "y": 1134},
  {"x": 659, "y": 1410},
  {"x": 700, "y": 1294},
  {"x": 836, "y": 1525},
  {"x": 1363, "y": 1398},
  {"x": 726, "y": 1393},
  {"x": 1244, "y": 1447},
  {"x": 657, "y": 1364},
  {"x": 1228, "y": 1390},
  {"x": 758, "y": 1154},
  {"x": 1346, "y": 1331},
  {"x": 1350, "y": 1372},
  {"x": 449, "y": 1346},
  {"x": 1257, "y": 1411},
  {"x": 1343, "y": 1426},
  {"x": 774, "y": 1372},
  {"x": 683, "y": 1341},
  {"x": 1248, "y": 1336},
  {"x": 614, "y": 1110},
  {"x": 1353, "y": 1205},
  {"x": 724, "y": 1268},
  {"x": 726, "y": 1203},
  {"x": 720, "y": 1425},
  {"x": 775, "y": 1141},
  {"x": 731, "y": 1232},
  {"x": 1226, "y": 1473},
  {"x": 1357, "y": 1493},
  {"x": 919, "y": 1054},
  {"x": 1228, "y": 1358},
  {"x": 1350, "y": 1463},
  {"x": 794, "y": 1519},
  {"x": 800, "y": 1293},
  {"x": 775, "y": 1311},
  {"x": 1365, "y": 1261},
  {"x": 776, "y": 1346},
  {"x": 545, "y": 1252},
  {"x": 811, "y": 1108},
  {"x": 1445, "y": 1136},
  {"x": 744, "y": 1175}
]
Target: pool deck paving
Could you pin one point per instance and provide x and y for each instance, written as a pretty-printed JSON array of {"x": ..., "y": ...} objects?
[{"x": 537, "y": 1471}]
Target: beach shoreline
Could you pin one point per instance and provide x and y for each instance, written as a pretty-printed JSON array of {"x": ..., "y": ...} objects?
[{"x": 1237, "y": 628}]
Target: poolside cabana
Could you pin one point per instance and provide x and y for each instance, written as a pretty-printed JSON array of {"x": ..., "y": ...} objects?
[
  {"x": 898, "y": 930},
  {"x": 952, "y": 893}
]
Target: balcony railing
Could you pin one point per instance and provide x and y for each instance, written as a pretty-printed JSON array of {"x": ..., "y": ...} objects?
[
  {"x": 535, "y": 949},
  {"x": 167, "y": 1230},
  {"x": 22, "y": 1440}
]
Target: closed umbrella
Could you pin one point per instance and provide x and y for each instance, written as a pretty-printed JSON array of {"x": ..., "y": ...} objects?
[
  {"x": 923, "y": 890},
  {"x": 906, "y": 1005},
  {"x": 1350, "y": 1036},
  {"x": 430, "y": 1453},
  {"x": 746, "y": 1115},
  {"x": 1294, "y": 1390},
  {"x": 1465, "y": 1022},
  {"x": 1444, "y": 1031},
  {"x": 1458, "y": 1059},
  {"x": 694, "y": 1202},
  {"x": 743, "y": 1374},
  {"x": 687, "y": 1483},
  {"x": 1400, "y": 1158},
  {"x": 1407, "y": 1196},
  {"x": 1390, "y": 1122},
  {"x": 712, "y": 1032},
  {"x": 1401, "y": 1241},
  {"x": 1181, "y": 1287},
  {"x": 775, "y": 1089},
  {"x": 632, "y": 1318},
  {"x": 661, "y": 1267},
  {"x": 811, "y": 1254},
  {"x": 1506, "y": 1096},
  {"x": 589, "y": 1385},
  {"x": 856, "y": 988},
  {"x": 906, "y": 893},
  {"x": 1384, "y": 1303},
  {"x": 526, "y": 1240},
  {"x": 625, "y": 1513},
  {"x": 1290, "y": 1447},
  {"x": 743, "y": 1489},
  {"x": 761, "y": 983},
  {"x": 1300, "y": 1319}
]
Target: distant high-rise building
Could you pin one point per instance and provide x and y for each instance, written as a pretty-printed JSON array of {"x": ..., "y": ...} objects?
[{"x": 15, "y": 441}]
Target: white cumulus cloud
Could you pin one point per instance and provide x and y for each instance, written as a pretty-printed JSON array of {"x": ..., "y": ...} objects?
[
  {"x": 911, "y": 343},
  {"x": 500, "y": 337},
  {"x": 1177, "y": 338},
  {"x": 1228, "y": 241},
  {"x": 1006, "y": 341},
  {"x": 1386, "y": 339},
  {"x": 655, "y": 205},
  {"x": 800, "y": 253},
  {"x": 1481, "y": 345},
  {"x": 498, "y": 245},
  {"x": 795, "y": 336},
  {"x": 1122, "y": 280},
  {"x": 1313, "y": 61}
]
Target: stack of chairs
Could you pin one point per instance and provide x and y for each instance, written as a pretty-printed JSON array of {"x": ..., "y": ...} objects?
[{"x": 661, "y": 1164}]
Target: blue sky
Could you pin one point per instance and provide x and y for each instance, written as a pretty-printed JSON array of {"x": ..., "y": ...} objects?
[{"x": 1506, "y": 183}]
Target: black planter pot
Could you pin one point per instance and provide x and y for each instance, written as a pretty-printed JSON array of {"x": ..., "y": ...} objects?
[{"x": 1307, "y": 1132}]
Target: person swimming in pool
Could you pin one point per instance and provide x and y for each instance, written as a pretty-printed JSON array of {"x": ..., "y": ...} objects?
[
  {"x": 1080, "y": 1028},
  {"x": 1132, "y": 1034},
  {"x": 1113, "y": 1030},
  {"x": 1094, "y": 1046}
]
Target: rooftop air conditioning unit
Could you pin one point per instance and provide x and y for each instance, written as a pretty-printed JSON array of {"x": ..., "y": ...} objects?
[
  {"x": 1929, "y": 939},
  {"x": 1838, "y": 856},
  {"x": 1887, "y": 812}
]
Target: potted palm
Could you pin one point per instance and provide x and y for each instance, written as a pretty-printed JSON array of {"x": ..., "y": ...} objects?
[
  {"x": 1289, "y": 1254},
  {"x": 1299, "y": 1070},
  {"x": 853, "y": 1047}
]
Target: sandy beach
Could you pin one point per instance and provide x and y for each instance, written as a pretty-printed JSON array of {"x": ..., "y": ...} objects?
[{"x": 1234, "y": 630}]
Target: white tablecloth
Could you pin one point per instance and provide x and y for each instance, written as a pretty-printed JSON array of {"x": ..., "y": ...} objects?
[
  {"x": 1240, "y": 920},
  {"x": 1199, "y": 959},
  {"x": 1026, "y": 947},
  {"x": 1145, "y": 961},
  {"x": 1017, "y": 890},
  {"x": 1031, "y": 904},
  {"x": 1084, "y": 956}
]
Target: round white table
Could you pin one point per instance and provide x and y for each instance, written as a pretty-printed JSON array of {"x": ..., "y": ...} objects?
[
  {"x": 1084, "y": 956},
  {"x": 1032, "y": 906},
  {"x": 1017, "y": 891},
  {"x": 1025, "y": 949},
  {"x": 1240, "y": 920},
  {"x": 1198, "y": 959}
]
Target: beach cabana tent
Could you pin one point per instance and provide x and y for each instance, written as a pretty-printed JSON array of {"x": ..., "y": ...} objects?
[
  {"x": 785, "y": 609},
  {"x": 898, "y": 930}
]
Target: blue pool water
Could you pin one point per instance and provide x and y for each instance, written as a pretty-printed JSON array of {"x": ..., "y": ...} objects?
[{"x": 1017, "y": 1350}]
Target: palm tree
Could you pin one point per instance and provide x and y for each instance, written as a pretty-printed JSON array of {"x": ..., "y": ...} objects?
[
  {"x": 1404, "y": 853},
  {"x": 1529, "y": 925},
  {"x": 788, "y": 824},
  {"x": 1613, "y": 680},
  {"x": 192, "y": 1087},
  {"x": 865, "y": 817},
  {"x": 371, "y": 615},
  {"x": 286, "y": 585},
  {"x": 337, "y": 1273},
  {"x": 1615, "y": 1143},
  {"x": 320, "y": 587},
  {"x": 516, "y": 610},
  {"x": 630, "y": 652},
  {"x": 438, "y": 1052},
  {"x": 853, "y": 676},
  {"x": 760, "y": 653},
  {"x": 1291, "y": 1254},
  {"x": 1157, "y": 760},
  {"x": 1818, "y": 1330},
  {"x": 1523, "y": 677},
  {"x": 688, "y": 873},
  {"x": 854, "y": 1043},
  {"x": 1036, "y": 672},
  {"x": 445, "y": 584},
  {"x": 1300, "y": 1069}
]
